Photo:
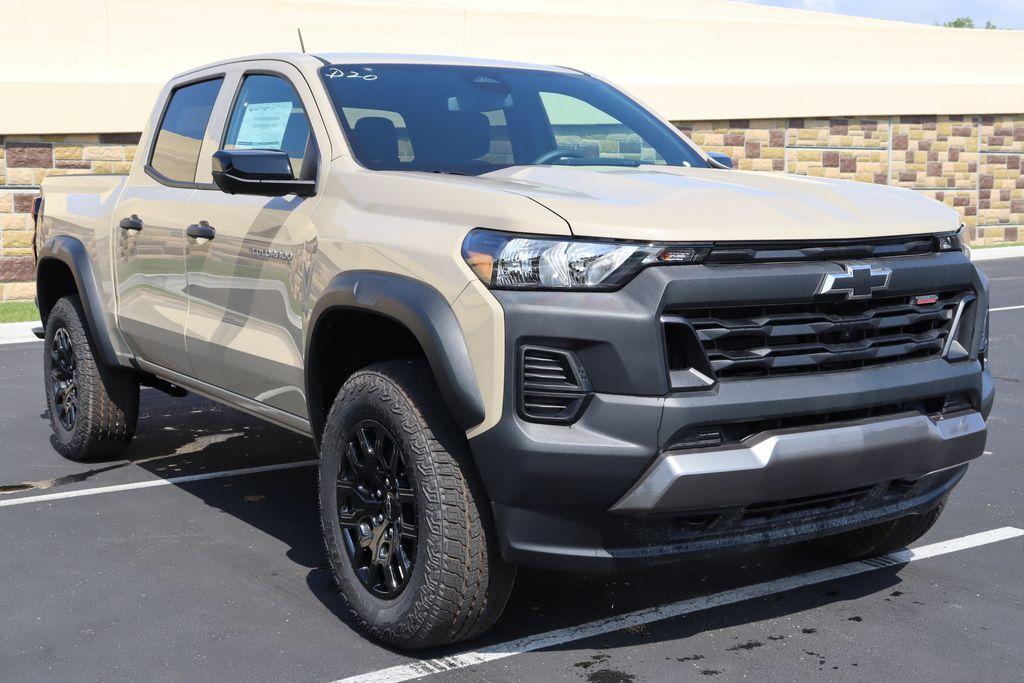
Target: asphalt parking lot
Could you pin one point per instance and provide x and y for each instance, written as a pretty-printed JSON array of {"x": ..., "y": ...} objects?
[{"x": 175, "y": 566}]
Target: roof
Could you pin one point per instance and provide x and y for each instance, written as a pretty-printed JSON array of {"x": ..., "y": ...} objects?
[
  {"x": 102, "y": 63},
  {"x": 448, "y": 60}
]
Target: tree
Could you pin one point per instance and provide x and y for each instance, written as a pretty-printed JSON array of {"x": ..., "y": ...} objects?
[
  {"x": 959, "y": 22},
  {"x": 965, "y": 22}
]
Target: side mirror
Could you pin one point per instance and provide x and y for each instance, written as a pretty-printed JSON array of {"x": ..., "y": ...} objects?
[
  {"x": 723, "y": 160},
  {"x": 266, "y": 172}
]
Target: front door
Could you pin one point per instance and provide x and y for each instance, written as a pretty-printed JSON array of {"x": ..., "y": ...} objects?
[
  {"x": 149, "y": 230},
  {"x": 247, "y": 283}
]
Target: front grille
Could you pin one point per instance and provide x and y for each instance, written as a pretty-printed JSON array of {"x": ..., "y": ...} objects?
[
  {"x": 823, "y": 250},
  {"x": 819, "y": 336},
  {"x": 731, "y": 433},
  {"x": 790, "y": 510}
]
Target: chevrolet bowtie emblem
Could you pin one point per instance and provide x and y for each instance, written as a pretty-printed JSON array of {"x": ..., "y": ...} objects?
[{"x": 858, "y": 282}]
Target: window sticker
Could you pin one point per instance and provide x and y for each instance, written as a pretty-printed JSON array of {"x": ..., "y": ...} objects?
[
  {"x": 335, "y": 72},
  {"x": 263, "y": 125}
]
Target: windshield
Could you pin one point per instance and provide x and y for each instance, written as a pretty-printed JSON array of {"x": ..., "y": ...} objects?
[{"x": 471, "y": 120}]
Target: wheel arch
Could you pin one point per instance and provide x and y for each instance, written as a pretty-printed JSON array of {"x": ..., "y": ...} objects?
[
  {"x": 64, "y": 268},
  {"x": 408, "y": 307}
]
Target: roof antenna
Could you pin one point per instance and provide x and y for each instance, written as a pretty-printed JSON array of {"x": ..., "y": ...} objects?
[{"x": 302, "y": 45}]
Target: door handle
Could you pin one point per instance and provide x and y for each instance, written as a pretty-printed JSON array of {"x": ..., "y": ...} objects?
[
  {"x": 201, "y": 231},
  {"x": 132, "y": 222}
]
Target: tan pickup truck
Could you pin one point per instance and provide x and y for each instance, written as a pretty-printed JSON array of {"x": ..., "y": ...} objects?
[{"x": 525, "y": 320}]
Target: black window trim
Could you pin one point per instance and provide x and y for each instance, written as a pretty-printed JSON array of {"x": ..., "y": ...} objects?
[
  {"x": 261, "y": 71},
  {"x": 157, "y": 175}
]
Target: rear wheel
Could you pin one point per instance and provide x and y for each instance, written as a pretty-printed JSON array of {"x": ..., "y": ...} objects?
[
  {"x": 93, "y": 408},
  {"x": 405, "y": 521},
  {"x": 878, "y": 539}
]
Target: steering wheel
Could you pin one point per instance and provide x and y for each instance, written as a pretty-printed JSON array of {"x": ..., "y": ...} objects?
[{"x": 558, "y": 153}]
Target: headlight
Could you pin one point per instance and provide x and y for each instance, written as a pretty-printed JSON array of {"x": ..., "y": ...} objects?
[
  {"x": 510, "y": 261},
  {"x": 954, "y": 241}
]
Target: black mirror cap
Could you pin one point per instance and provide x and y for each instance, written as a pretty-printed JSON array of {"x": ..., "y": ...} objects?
[
  {"x": 723, "y": 160},
  {"x": 266, "y": 172}
]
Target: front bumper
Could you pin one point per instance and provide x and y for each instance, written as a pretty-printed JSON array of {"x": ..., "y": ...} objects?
[
  {"x": 612, "y": 486},
  {"x": 792, "y": 464}
]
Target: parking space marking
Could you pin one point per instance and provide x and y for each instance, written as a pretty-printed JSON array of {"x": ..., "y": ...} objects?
[
  {"x": 19, "y": 340},
  {"x": 427, "y": 667},
  {"x": 1005, "y": 308},
  {"x": 25, "y": 500}
]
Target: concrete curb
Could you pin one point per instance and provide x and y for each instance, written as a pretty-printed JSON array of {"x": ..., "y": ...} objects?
[
  {"x": 18, "y": 333},
  {"x": 993, "y": 253}
]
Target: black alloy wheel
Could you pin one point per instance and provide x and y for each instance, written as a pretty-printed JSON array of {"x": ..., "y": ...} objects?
[
  {"x": 377, "y": 510},
  {"x": 64, "y": 379}
]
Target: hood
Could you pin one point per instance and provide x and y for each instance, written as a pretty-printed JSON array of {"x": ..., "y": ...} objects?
[{"x": 658, "y": 203}]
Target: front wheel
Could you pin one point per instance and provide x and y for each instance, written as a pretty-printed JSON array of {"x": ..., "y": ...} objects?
[
  {"x": 93, "y": 408},
  {"x": 406, "y": 524}
]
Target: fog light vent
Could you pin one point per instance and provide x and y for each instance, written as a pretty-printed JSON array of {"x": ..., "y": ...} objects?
[{"x": 554, "y": 386}]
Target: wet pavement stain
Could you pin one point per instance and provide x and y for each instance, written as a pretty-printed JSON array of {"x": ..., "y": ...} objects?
[
  {"x": 610, "y": 676},
  {"x": 594, "y": 659},
  {"x": 691, "y": 658},
  {"x": 194, "y": 446}
]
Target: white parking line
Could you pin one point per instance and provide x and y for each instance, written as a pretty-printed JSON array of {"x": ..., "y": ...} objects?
[
  {"x": 26, "y": 500},
  {"x": 413, "y": 670},
  {"x": 1005, "y": 308},
  {"x": 19, "y": 340}
]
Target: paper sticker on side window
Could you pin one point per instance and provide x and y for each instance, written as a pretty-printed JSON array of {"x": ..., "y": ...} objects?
[{"x": 264, "y": 125}]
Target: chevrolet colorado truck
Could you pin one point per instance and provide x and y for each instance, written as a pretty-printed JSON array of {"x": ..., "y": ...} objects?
[{"x": 525, "y": 320}]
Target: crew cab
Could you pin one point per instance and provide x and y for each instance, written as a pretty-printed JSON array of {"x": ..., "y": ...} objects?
[{"x": 525, "y": 320}]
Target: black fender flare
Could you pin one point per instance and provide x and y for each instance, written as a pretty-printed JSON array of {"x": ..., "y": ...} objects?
[
  {"x": 426, "y": 314},
  {"x": 72, "y": 253}
]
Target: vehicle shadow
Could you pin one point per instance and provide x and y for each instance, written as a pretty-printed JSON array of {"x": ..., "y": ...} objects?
[{"x": 181, "y": 437}]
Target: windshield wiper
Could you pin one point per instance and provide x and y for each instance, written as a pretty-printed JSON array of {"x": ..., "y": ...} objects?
[{"x": 601, "y": 161}]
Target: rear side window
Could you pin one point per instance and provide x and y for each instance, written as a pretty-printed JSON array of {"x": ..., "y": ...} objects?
[
  {"x": 176, "y": 150},
  {"x": 268, "y": 114}
]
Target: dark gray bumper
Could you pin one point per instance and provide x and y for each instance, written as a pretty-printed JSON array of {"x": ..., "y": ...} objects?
[
  {"x": 800, "y": 463},
  {"x": 615, "y": 484}
]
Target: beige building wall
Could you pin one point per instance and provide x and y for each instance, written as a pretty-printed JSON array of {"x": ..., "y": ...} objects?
[{"x": 780, "y": 90}]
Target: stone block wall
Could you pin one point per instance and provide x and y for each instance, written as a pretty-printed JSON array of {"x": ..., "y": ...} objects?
[
  {"x": 24, "y": 161},
  {"x": 971, "y": 163}
]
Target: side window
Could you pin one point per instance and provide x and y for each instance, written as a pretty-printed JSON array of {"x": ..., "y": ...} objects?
[
  {"x": 176, "y": 149},
  {"x": 268, "y": 114},
  {"x": 585, "y": 129}
]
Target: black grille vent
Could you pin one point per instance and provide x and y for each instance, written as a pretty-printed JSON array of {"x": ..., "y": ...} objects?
[
  {"x": 820, "y": 336},
  {"x": 554, "y": 387}
]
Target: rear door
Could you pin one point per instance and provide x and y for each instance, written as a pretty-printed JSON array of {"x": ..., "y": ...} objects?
[
  {"x": 247, "y": 284},
  {"x": 149, "y": 232}
]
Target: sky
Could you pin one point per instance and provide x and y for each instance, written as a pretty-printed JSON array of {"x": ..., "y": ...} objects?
[{"x": 1002, "y": 13}]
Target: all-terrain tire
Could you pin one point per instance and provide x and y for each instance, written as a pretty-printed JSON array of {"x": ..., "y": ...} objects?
[
  {"x": 878, "y": 539},
  {"x": 458, "y": 584},
  {"x": 104, "y": 400}
]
